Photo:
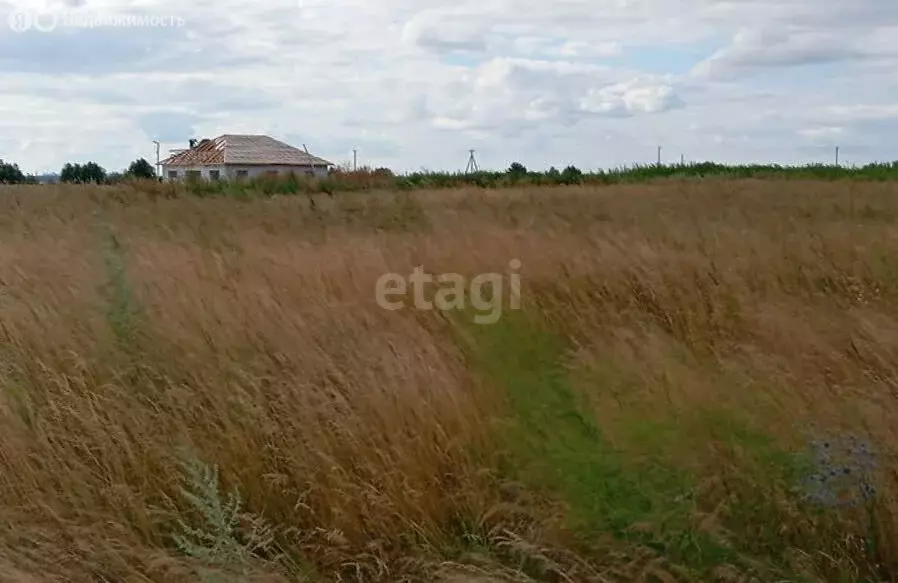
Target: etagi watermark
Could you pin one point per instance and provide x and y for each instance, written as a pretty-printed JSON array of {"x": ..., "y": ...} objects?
[
  {"x": 49, "y": 20},
  {"x": 484, "y": 292}
]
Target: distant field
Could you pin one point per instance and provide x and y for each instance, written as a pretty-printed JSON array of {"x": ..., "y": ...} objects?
[{"x": 700, "y": 385}]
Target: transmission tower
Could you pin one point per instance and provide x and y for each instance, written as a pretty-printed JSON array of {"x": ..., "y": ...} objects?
[{"x": 472, "y": 164}]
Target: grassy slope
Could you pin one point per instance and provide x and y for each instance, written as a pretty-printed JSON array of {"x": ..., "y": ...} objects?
[{"x": 645, "y": 416}]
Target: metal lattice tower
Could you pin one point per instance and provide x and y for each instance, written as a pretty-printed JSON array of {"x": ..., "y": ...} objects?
[{"x": 472, "y": 164}]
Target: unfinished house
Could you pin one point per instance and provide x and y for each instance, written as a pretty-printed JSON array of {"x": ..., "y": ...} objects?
[{"x": 232, "y": 157}]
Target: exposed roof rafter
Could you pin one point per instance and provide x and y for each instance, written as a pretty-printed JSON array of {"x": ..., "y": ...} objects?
[{"x": 246, "y": 150}]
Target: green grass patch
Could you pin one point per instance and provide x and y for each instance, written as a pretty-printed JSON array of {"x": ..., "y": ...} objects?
[
  {"x": 123, "y": 312},
  {"x": 555, "y": 446},
  {"x": 745, "y": 512}
]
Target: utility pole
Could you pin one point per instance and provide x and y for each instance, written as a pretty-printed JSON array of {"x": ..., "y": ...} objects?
[
  {"x": 157, "y": 158},
  {"x": 354, "y": 160},
  {"x": 659, "y": 155},
  {"x": 837, "y": 155}
]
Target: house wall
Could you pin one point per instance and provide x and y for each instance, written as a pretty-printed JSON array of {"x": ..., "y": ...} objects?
[
  {"x": 182, "y": 171},
  {"x": 254, "y": 171},
  {"x": 230, "y": 172}
]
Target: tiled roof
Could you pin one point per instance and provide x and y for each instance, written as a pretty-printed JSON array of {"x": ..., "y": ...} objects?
[{"x": 242, "y": 149}]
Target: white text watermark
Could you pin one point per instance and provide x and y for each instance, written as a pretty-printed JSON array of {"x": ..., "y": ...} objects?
[
  {"x": 484, "y": 292},
  {"x": 24, "y": 20}
]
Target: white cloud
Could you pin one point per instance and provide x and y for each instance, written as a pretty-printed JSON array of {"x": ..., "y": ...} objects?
[
  {"x": 445, "y": 29},
  {"x": 759, "y": 48},
  {"x": 823, "y": 133},
  {"x": 415, "y": 83},
  {"x": 630, "y": 98},
  {"x": 862, "y": 112}
]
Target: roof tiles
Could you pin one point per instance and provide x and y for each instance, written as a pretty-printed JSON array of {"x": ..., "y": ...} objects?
[{"x": 244, "y": 150}]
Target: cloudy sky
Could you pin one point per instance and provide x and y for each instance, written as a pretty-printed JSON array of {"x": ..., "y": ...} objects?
[{"x": 415, "y": 83}]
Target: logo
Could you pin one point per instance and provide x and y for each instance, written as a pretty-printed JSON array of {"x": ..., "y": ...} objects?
[
  {"x": 453, "y": 292},
  {"x": 24, "y": 20},
  {"x": 21, "y": 20}
]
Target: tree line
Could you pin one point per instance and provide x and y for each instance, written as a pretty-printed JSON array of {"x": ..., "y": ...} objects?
[
  {"x": 11, "y": 174},
  {"x": 77, "y": 173},
  {"x": 516, "y": 174}
]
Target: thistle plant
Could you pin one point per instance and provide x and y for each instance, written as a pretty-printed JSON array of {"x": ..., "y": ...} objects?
[
  {"x": 842, "y": 472},
  {"x": 218, "y": 539}
]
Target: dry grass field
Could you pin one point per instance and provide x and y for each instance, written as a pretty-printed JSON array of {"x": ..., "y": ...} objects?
[{"x": 700, "y": 385}]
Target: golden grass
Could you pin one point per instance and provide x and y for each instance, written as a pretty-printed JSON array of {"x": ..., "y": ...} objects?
[{"x": 248, "y": 332}]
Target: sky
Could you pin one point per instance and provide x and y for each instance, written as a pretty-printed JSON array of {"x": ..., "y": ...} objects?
[{"x": 415, "y": 84}]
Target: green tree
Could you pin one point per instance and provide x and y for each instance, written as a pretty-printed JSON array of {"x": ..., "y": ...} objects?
[
  {"x": 572, "y": 175},
  {"x": 70, "y": 172},
  {"x": 517, "y": 170},
  {"x": 83, "y": 174},
  {"x": 140, "y": 169},
  {"x": 93, "y": 173},
  {"x": 11, "y": 174}
]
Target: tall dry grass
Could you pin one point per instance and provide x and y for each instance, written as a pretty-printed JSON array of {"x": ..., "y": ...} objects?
[{"x": 703, "y": 328}]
